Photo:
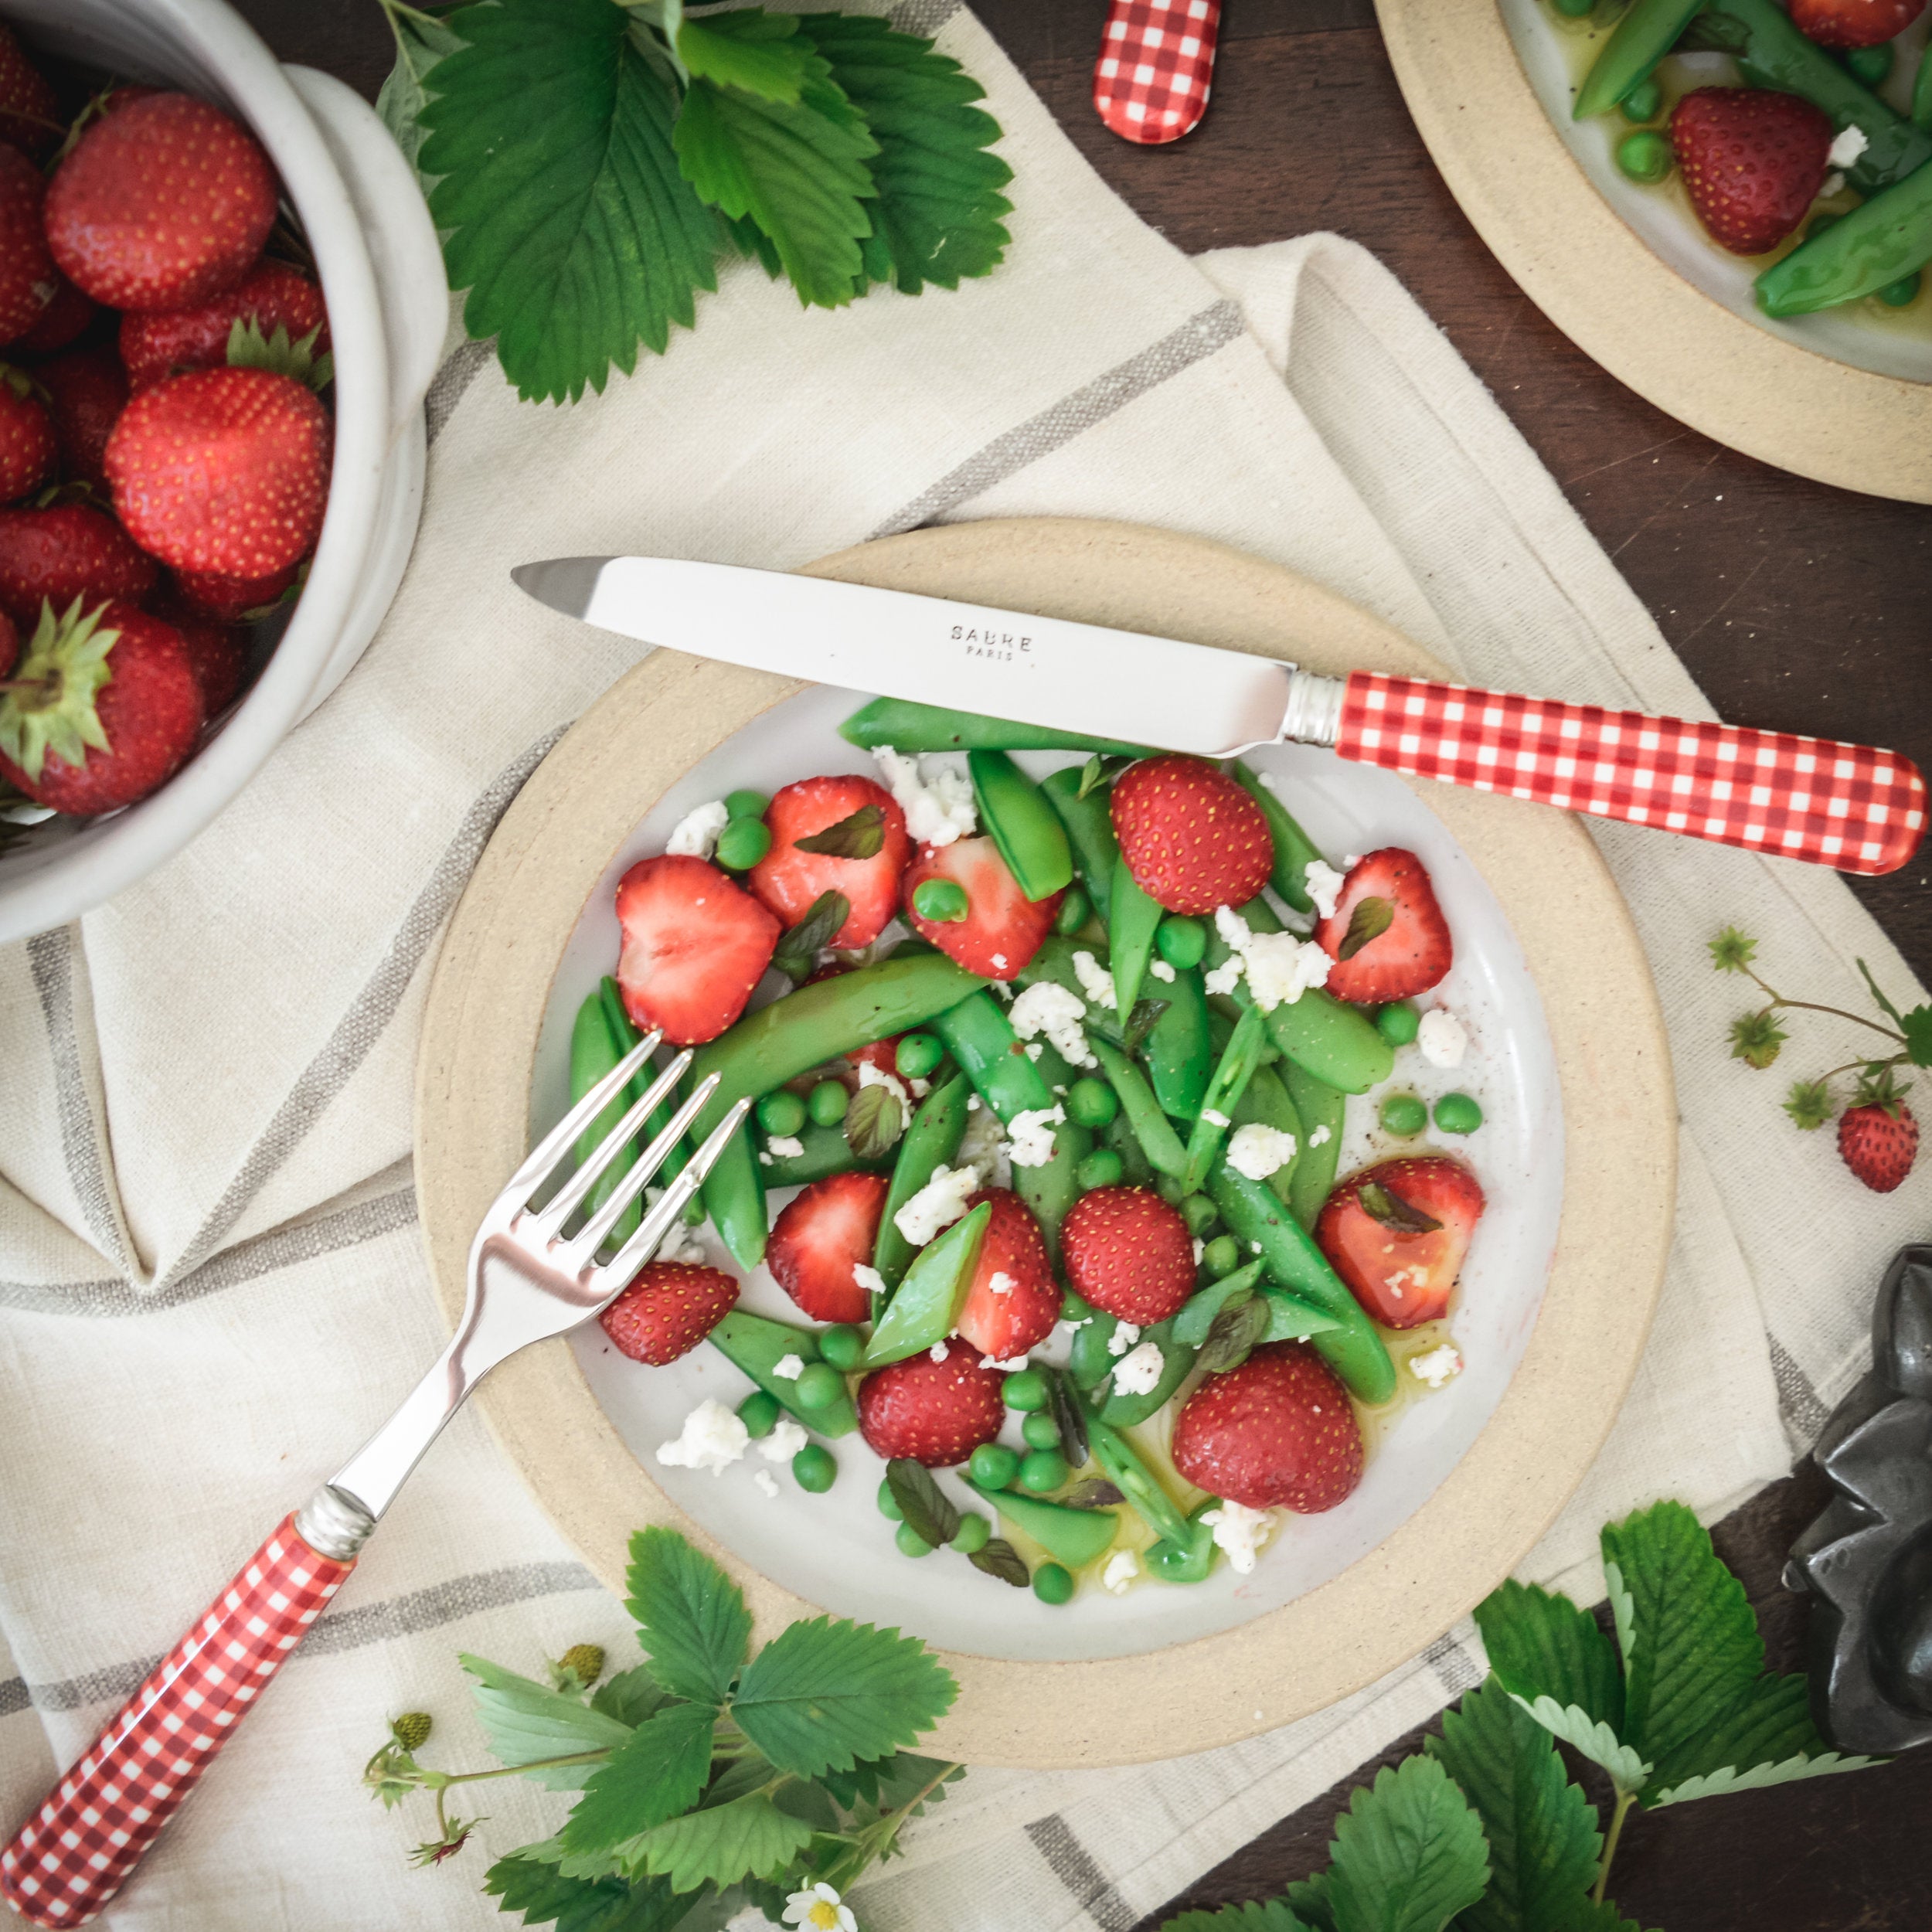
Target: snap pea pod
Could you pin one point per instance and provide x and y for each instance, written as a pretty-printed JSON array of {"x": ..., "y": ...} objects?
[
  {"x": 906, "y": 727},
  {"x": 1319, "y": 1105},
  {"x": 1125, "y": 1469},
  {"x": 1123, "y": 1410},
  {"x": 1130, "y": 925},
  {"x": 1231, "y": 1077},
  {"x": 927, "y": 1303},
  {"x": 1075, "y": 1536},
  {"x": 826, "y": 1151},
  {"x": 757, "y": 1346},
  {"x": 930, "y": 1142},
  {"x": 1023, "y": 825},
  {"x": 1189, "y": 1562},
  {"x": 1088, "y": 1361},
  {"x": 624, "y": 1031},
  {"x": 1198, "y": 1312},
  {"x": 1139, "y": 1110},
  {"x": 1090, "y": 830},
  {"x": 1293, "y": 849},
  {"x": 1117, "y": 1137},
  {"x": 1354, "y": 1350},
  {"x": 1647, "y": 31},
  {"x": 1291, "y": 1318},
  {"x": 1266, "y": 1103},
  {"x": 1876, "y": 244},
  {"x": 1179, "y": 1055},
  {"x": 989, "y": 1053},
  {"x": 593, "y": 1051},
  {"x": 1922, "y": 95},
  {"x": 1051, "y": 1190}
]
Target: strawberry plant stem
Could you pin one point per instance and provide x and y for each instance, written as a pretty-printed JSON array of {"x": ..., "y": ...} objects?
[{"x": 1624, "y": 1801}]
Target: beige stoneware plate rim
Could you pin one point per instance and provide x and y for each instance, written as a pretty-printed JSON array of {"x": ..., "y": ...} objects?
[
  {"x": 492, "y": 983},
  {"x": 1625, "y": 308}
]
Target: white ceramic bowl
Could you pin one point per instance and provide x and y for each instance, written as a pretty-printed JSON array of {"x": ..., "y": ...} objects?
[{"x": 382, "y": 274}]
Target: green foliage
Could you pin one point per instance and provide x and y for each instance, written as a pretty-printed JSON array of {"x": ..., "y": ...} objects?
[
  {"x": 1756, "y": 1040},
  {"x": 1809, "y": 1104},
  {"x": 544, "y": 1897},
  {"x": 659, "y": 1771},
  {"x": 1408, "y": 1854},
  {"x": 1264, "y": 1915},
  {"x": 692, "y": 1621},
  {"x": 526, "y": 1722},
  {"x": 749, "y": 1838},
  {"x": 1731, "y": 952}
]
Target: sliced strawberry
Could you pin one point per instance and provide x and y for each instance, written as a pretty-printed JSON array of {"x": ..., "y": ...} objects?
[
  {"x": 695, "y": 945},
  {"x": 1753, "y": 162},
  {"x": 1013, "y": 1301},
  {"x": 788, "y": 880},
  {"x": 1387, "y": 936},
  {"x": 1278, "y": 1432},
  {"x": 822, "y": 1234},
  {"x": 1396, "y": 1233},
  {"x": 936, "y": 1411},
  {"x": 1854, "y": 23},
  {"x": 1002, "y": 929},
  {"x": 1192, "y": 837},
  {"x": 66, "y": 551},
  {"x": 1126, "y": 1251},
  {"x": 668, "y": 1311}
]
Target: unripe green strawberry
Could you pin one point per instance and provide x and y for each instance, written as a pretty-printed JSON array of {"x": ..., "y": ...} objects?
[
  {"x": 411, "y": 1730},
  {"x": 579, "y": 1667}
]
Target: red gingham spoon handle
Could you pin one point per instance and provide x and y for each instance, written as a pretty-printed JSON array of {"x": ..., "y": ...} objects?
[
  {"x": 1156, "y": 63},
  {"x": 76, "y": 1852},
  {"x": 1846, "y": 806}
]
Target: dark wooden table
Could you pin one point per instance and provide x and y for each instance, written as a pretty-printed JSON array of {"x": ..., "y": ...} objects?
[{"x": 1797, "y": 608}]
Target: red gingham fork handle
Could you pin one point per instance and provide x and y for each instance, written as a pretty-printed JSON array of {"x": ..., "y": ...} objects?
[
  {"x": 1156, "y": 65},
  {"x": 75, "y": 1852},
  {"x": 1846, "y": 806}
]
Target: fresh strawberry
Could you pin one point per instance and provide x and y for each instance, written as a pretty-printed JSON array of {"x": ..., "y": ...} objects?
[
  {"x": 1396, "y": 1233},
  {"x": 103, "y": 707},
  {"x": 66, "y": 551},
  {"x": 788, "y": 880},
  {"x": 1193, "y": 839},
  {"x": 232, "y": 599},
  {"x": 29, "y": 114},
  {"x": 1387, "y": 936},
  {"x": 1002, "y": 929},
  {"x": 936, "y": 1412},
  {"x": 9, "y": 644},
  {"x": 1277, "y": 1432},
  {"x": 224, "y": 470},
  {"x": 668, "y": 1311},
  {"x": 215, "y": 649},
  {"x": 26, "y": 436},
  {"x": 1854, "y": 23},
  {"x": 1877, "y": 1137},
  {"x": 272, "y": 295},
  {"x": 1126, "y": 1251},
  {"x": 62, "y": 321},
  {"x": 822, "y": 1234},
  {"x": 90, "y": 390},
  {"x": 1013, "y": 1301},
  {"x": 695, "y": 945},
  {"x": 162, "y": 203},
  {"x": 1753, "y": 163},
  {"x": 28, "y": 279}
]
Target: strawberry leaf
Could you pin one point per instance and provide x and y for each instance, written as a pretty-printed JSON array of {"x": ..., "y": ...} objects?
[
  {"x": 420, "y": 43},
  {"x": 1370, "y": 920},
  {"x": 861, "y": 835},
  {"x": 525, "y": 1721},
  {"x": 1916, "y": 1026},
  {"x": 544, "y": 1895},
  {"x": 749, "y": 1838},
  {"x": 1541, "y": 1644},
  {"x": 692, "y": 1622},
  {"x": 996, "y": 1557},
  {"x": 1408, "y": 1854},
  {"x": 760, "y": 53},
  {"x": 1766, "y": 1738},
  {"x": 1261, "y": 1915},
  {"x": 657, "y": 1772}
]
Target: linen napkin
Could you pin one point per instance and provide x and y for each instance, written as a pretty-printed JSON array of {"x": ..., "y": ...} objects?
[{"x": 211, "y": 1285}]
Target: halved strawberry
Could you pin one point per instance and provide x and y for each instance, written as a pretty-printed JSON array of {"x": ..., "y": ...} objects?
[
  {"x": 1753, "y": 160},
  {"x": 788, "y": 880},
  {"x": 1126, "y": 1251},
  {"x": 1277, "y": 1432},
  {"x": 693, "y": 946},
  {"x": 1002, "y": 929},
  {"x": 821, "y": 1235},
  {"x": 1387, "y": 936},
  {"x": 938, "y": 1411},
  {"x": 1396, "y": 1233},
  {"x": 1193, "y": 839},
  {"x": 668, "y": 1311},
  {"x": 1013, "y": 1301}
]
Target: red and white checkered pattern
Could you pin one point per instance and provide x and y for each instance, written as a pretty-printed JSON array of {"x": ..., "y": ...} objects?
[
  {"x": 1845, "y": 806},
  {"x": 1156, "y": 64},
  {"x": 75, "y": 1853}
]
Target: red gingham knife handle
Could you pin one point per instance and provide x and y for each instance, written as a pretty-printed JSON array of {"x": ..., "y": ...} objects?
[
  {"x": 1156, "y": 64},
  {"x": 75, "y": 1853},
  {"x": 1846, "y": 806}
]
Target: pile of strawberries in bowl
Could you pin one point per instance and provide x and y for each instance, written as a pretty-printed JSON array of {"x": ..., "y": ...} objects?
[{"x": 165, "y": 452}]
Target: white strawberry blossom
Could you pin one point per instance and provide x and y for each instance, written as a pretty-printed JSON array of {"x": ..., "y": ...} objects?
[{"x": 819, "y": 1909}]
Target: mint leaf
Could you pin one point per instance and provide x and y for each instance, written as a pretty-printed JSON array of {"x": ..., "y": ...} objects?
[
  {"x": 1408, "y": 1854},
  {"x": 630, "y": 1697},
  {"x": 758, "y": 52},
  {"x": 874, "y": 1122},
  {"x": 1263, "y": 1915},
  {"x": 1370, "y": 920},
  {"x": 525, "y": 1721},
  {"x": 796, "y": 952},
  {"x": 543, "y": 1895},
  {"x": 660, "y": 1770},
  {"x": 1767, "y": 1738},
  {"x": 692, "y": 1622},
  {"x": 996, "y": 1557},
  {"x": 924, "y": 1504},
  {"x": 822, "y": 1694},
  {"x": 1541, "y": 1829},
  {"x": 749, "y": 1838},
  {"x": 861, "y": 835},
  {"x": 420, "y": 43},
  {"x": 571, "y": 225}
]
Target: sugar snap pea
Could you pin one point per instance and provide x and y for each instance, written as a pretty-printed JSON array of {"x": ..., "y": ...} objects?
[
  {"x": 1132, "y": 920},
  {"x": 1139, "y": 1110},
  {"x": 1051, "y": 1188},
  {"x": 1320, "y": 1107},
  {"x": 593, "y": 1051},
  {"x": 1024, "y": 826},
  {"x": 1292, "y": 1319},
  {"x": 1922, "y": 95},
  {"x": 1089, "y": 1360},
  {"x": 825, "y": 1150},
  {"x": 1117, "y": 1139},
  {"x": 1190, "y": 1561},
  {"x": 1076, "y": 1536},
  {"x": 1884, "y": 239},
  {"x": 1267, "y": 1103},
  {"x": 1235, "y": 1068},
  {"x": 1090, "y": 830},
  {"x": 1123, "y": 1409},
  {"x": 1293, "y": 849},
  {"x": 756, "y": 1345},
  {"x": 977, "y": 1035},
  {"x": 1647, "y": 31},
  {"x": 1198, "y": 1312},
  {"x": 624, "y": 1032},
  {"x": 1125, "y": 1469},
  {"x": 1179, "y": 1054},
  {"x": 930, "y": 1142},
  {"x": 906, "y": 727},
  {"x": 926, "y": 1304}
]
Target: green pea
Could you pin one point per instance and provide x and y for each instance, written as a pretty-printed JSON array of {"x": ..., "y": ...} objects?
[
  {"x": 1040, "y": 1430},
  {"x": 1169, "y": 1189},
  {"x": 1403, "y": 1115},
  {"x": 819, "y": 1385},
  {"x": 826, "y": 1103},
  {"x": 910, "y": 1543},
  {"x": 814, "y": 1468},
  {"x": 743, "y": 843},
  {"x": 1091, "y": 1103},
  {"x": 975, "y": 1533},
  {"x": 918, "y": 1055},
  {"x": 1076, "y": 909},
  {"x": 1819, "y": 222},
  {"x": 746, "y": 804},
  {"x": 1199, "y": 1213},
  {"x": 1180, "y": 941},
  {"x": 888, "y": 1503},
  {"x": 941, "y": 900},
  {"x": 1053, "y": 1583},
  {"x": 1576, "y": 9},
  {"x": 1025, "y": 1389},
  {"x": 1901, "y": 294},
  {"x": 1646, "y": 156},
  {"x": 1458, "y": 1113},
  {"x": 1222, "y": 1256},
  {"x": 1398, "y": 1022},
  {"x": 783, "y": 1112},
  {"x": 1871, "y": 65},
  {"x": 993, "y": 1465},
  {"x": 1642, "y": 103},
  {"x": 1103, "y": 1168},
  {"x": 1041, "y": 1469},
  {"x": 842, "y": 1346},
  {"x": 759, "y": 1412}
]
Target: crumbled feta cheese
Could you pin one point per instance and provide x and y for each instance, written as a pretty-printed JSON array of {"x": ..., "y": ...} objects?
[
  {"x": 1239, "y": 1530},
  {"x": 1002, "y": 1283},
  {"x": 1830, "y": 184},
  {"x": 1011, "y": 1366},
  {"x": 999, "y": 962},
  {"x": 869, "y": 1279},
  {"x": 1214, "y": 1116},
  {"x": 1350, "y": 860},
  {"x": 872, "y": 1075},
  {"x": 681, "y": 1244},
  {"x": 713, "y": 1438},
  {"x": 1280, "y": 967},
  {"x": 1200, "y": 1248},
  {"x": 764, "y": 1157},
  {"x": 1096, "y": 981},
  {"x": 1224, "y": 977},
  {"x": 787, "y": 1438},
  {"x": 788, "y": 1367},
  {"x": 1321, "y": 1137},
  {"x": 765, "y": 1483},
  {"x": 1442, "y": 1038},
  {"x": 1035, "y": 1048},
  {"x": 1325, "y": 886},
  {"x": 1164, "y": 972},
  {"x": 937, "y": 1205},
  {"x": 696, "y": 835},
  {"x": 788, "y": 1146},
  {"x": 1122, "y": 1567},
  {"x": 1056, "y": 1011},
  {"x": 1123, "y": 1337},
  {"x": 1139, "y": 1370},
  {"x": 938, "y": 808},
  {"x": 920, "y": 1088},
  {"x": 1258, "y": 1151},
  {"x": 1852, "y": 142},
  {"x": 1438, "y": 1366},
  {"x": 937, "y": 1352},
  {"x": 1031, "y": 1143}
]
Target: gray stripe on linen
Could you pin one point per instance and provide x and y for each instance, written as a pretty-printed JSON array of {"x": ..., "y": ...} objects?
[
  {"x": 1803, "y": 1407},
  {"x": 463, "y": 365},
  {"x": 924, "y": 16},
  {"x": 1072, "y": 1863},
  {"x": 370, "y": 1012},
  {"x": 1452, "y": 1665},
  {"x": 338, "y": 1630},
  {"x": 1199, "y": 338}
]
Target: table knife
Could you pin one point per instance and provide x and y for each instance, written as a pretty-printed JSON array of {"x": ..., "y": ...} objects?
[{"x": 1851, "y": 807}]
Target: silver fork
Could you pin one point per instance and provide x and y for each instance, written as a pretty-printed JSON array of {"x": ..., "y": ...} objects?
[{"x": 529, "y": 1280}]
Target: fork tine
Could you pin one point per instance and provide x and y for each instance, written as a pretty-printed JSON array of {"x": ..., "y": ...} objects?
[
  {"x": 549, "y": 1150},
  {"x": 592, "y": 1234},
  {"x": 632, "y": 1255},
  {"x": 570, "y": 1197}
]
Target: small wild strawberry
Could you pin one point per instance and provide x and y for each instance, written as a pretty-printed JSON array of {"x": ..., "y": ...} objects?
[
  {"x": 578, "y": 1668},
  {"x": 1756, "y": 1039},
  {"x": 1877, "y": 1137},
  {"x": 411, "y": 1730}
]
